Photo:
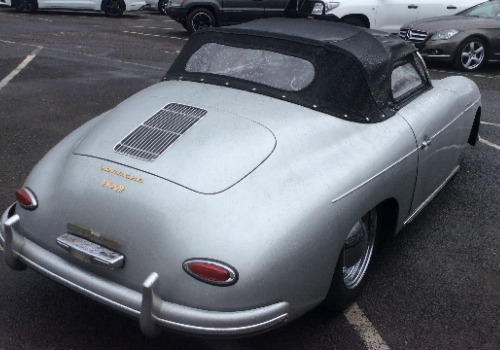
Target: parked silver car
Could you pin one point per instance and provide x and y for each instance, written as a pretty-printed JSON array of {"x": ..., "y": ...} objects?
[{"x": 251, "y": 184}]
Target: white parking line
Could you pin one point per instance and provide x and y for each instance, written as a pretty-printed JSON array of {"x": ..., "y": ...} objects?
[
  {"x": 493, "y": 124},
  {"x": 163, "y": 36},
  {"x": 19, "y": 68},
  {"x": 365, "y": 329},
  {"x": 491, "y": 144}
]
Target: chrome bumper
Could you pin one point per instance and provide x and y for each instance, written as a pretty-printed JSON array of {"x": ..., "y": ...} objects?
[{"x": 146, "y": 305}]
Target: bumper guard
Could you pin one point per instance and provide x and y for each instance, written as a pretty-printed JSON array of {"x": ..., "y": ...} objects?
[{"x": 153, "y": 312}]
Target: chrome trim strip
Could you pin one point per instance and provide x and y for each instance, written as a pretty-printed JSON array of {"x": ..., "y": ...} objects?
[
  {"x": 374, "y": 176},
  {"x": 436, "y": 56},
  {"x": 433, "y": 194},
  {"x": 454, "y": 119},
  {"x": 226, "y": 331}
]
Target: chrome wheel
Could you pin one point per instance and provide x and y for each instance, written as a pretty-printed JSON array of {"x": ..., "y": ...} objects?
[
  {"x": 472, "y": 55},
  {"x": 358, "y": 249}
]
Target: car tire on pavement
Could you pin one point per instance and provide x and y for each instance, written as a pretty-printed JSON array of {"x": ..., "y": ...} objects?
[
  {"x": 162, "y": 7},
  {"x": 471, "y": 54},
  {"x": 200, "y": 18},
  {"x": 29, "y": 6},
  {"x": 349, "y": 277},
  {"x": 113, "y": 8}
]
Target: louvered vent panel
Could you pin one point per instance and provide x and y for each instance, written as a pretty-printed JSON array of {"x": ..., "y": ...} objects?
[{"x": 150, "y": 139}]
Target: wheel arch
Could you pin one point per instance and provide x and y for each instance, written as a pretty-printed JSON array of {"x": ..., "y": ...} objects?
[
  {"x": 388, "y": 215},
  {"x": 207, "y": 6},
  {"x": 359, "y": 16},
  {"x": 474, "y": 132},
  {"x": 476, "y": 35}
]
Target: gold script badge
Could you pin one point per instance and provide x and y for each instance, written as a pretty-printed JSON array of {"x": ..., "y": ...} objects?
[
  {"x": 119, "y": 173},
  {"x": 112, "y": 186}
]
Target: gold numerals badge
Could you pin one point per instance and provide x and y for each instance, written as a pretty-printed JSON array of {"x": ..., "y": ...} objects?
[{"x": 112, "y": 186}]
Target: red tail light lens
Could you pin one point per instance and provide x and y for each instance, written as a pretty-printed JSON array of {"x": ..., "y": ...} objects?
[
  {"x": 209, "y": 271},
  {"x": 26, "y": 198}
]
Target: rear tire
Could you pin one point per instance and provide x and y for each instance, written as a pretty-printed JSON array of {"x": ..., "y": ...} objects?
[
  {"x": 29, "y": 6},
  {"x": 350, "y": 275},
  {"x": 199, "y": 19},
  {"x": 354, "y": 21},
  {"x": 113, "y": 8},
  {"x": 471, "y": 55},
  {"x": 162, "y": 7}
]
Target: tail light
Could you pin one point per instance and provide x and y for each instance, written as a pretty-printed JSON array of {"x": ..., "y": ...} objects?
[
  {"x": 211, "y": 271},
  {"x": 26, "y": 198}
]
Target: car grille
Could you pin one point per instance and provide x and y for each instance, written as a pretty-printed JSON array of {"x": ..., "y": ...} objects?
[
  {"x": 150, "y": 139},
  {"x": 415, "y": 36}
]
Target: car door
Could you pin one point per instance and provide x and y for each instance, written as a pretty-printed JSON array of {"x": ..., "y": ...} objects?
[
  {"x": 275, "y": 8},
  {"x": 434, "y": 117},
  {"x": 434, "y": 8},
  {"x": 392, "y": 14},
  {"x": 239, "y": 11}
]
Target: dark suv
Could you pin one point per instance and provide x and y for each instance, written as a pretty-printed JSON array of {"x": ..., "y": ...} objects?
[{"x": 199, "y": 14}]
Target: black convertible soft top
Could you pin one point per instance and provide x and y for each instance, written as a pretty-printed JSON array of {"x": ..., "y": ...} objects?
[{"x": 353, "y": 65}]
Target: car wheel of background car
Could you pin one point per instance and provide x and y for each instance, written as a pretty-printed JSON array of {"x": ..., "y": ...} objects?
[
  {"x": 26, "y": 5},
  {"x": 354, "y": 21},
  {"x": 349, "y": 277},
  {"x": 200, "y": 18},
  {"x": 162, "y": 7},
  {"x": 471, "y": 54},
  {"x": 113, "y": 8}
]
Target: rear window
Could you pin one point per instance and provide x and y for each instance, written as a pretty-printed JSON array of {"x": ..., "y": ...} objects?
[
  {"x": 404, "y": 79},
  {"x": 270, "y": 68}
]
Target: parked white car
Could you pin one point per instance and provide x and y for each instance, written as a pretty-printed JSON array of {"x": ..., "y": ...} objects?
[
  {"x": 386, "y": 15},
  {"x": 112, "y": 8}
]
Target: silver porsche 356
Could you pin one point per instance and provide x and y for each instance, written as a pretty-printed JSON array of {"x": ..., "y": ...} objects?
[{"x": 251, "y": 184}]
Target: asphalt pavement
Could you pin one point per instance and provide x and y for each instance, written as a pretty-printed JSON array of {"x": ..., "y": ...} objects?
[{"x": 434, "y": 286}]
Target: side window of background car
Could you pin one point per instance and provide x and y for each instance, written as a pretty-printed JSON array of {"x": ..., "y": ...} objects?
[{"x": 404, "y": 79}]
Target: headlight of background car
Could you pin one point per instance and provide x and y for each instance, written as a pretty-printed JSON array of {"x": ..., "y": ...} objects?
[
  {"x": 318, "y": 8},
  {"x": 329, "y": 7},
  {"x": 445, "y": 34},
  {"x": 175, "y": 3}
]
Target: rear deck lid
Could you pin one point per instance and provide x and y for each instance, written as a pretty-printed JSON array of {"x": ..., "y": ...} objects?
[{"x": 204, "y": 149}]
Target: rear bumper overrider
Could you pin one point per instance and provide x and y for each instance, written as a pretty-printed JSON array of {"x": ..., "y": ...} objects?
[{"x": 145, "y": 305}]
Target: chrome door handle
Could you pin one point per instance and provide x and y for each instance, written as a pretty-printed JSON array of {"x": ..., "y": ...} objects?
[
  {"x": 412, "y": 6},
  {"x": 426, "y": 143},
  {"x": 451, "y": 7}
]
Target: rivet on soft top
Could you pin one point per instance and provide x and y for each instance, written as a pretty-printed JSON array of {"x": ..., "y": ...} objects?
[
  {"x": 283, "y": 96},
  {"x": 315, "y": 106},
  {"x": 345, "y": 115},
  {"x": 253, "y": 89},
  {"x": 202, "y": 79},
  {"x": 368, "y": 119},
  {"x": 227, "y": 83}
]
